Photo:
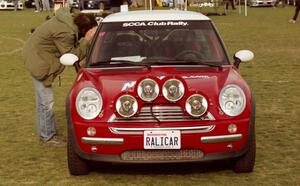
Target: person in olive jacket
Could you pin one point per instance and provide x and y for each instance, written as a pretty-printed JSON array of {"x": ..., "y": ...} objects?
[{"x": 66, "y": 32}]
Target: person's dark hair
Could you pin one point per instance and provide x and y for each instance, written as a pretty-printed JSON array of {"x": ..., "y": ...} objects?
[{"x": 84, "y": 22}]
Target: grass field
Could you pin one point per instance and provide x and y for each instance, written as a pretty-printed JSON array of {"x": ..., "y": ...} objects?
[{"x": 273, "y": 76}]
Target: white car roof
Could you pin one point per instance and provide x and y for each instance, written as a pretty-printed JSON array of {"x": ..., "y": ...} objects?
[{"x": 155, "y": 15}]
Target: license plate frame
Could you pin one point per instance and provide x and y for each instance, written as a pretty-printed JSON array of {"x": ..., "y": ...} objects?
[{"x": 162, "y": 139}]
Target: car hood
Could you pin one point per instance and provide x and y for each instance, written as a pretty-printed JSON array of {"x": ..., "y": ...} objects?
[{"x": 112, "y": 81}]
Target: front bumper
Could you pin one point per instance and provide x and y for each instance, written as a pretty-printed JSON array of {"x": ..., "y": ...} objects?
[
  {"x": 125, "y": 144},
  {"x": 120, "y": 141}
]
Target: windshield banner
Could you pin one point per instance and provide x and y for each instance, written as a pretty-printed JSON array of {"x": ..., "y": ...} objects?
[{"x": 155, "y": 23}]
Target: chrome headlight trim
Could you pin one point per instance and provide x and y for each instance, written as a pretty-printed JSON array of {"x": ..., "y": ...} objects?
[
  {"x": 130, "y": 106},
  {"x": 196, "y": 105},
  {"x": 232, "y": 100},
  {"x": 173, "y": 86},
  {"x": 150, "y": 87},
  {"x": 89, "y": 103}
]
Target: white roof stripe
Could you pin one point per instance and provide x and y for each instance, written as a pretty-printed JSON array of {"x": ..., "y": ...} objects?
[{"x": 155, "y": 15}]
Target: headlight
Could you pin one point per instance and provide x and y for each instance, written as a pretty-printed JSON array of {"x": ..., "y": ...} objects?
[
  {"x": 173, "y": 90},
  {"x": 148, "y": 90},
  {"x": 89, "y": 103},
  {"x": 232, "y": 100},
  {"x": 196, "y": 105},
  {"x": 126, "y": 105}
]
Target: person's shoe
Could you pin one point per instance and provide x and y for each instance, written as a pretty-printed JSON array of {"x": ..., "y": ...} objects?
[
  {"x": 36, "y": 11},
  {"x": 55, "y": 141},
  {"x": 292, "y": 21}
]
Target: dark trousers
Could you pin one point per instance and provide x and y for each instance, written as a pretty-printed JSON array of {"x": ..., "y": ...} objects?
[
  {"x": 296, "y": 12},
  {"x": 231, "y": 2},
  {"x": 81, "y": 4}
]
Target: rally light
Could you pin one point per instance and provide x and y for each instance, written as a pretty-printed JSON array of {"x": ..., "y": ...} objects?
[
  {"x": 89, "y": 103},
  {"x": 173, "y": 90},
  {"x": 232, "y": 100},
  {"x": 126, "y": 105},
  {"x": 196, "y": 105},
  {"x": 148, "y": 90}
]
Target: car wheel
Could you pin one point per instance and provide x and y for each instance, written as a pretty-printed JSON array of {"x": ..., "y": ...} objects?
[
  {"x": 245, "y": 163},
  {"x": 77, "y": 165}
]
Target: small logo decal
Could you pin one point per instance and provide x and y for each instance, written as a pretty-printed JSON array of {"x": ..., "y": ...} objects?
[{"x": 128, "y": 85}]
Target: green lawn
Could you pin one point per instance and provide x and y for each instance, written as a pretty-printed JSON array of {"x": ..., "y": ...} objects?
[{"x": 273, "y": 76}]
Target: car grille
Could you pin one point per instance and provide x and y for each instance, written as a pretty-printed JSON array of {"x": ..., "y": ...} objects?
[
  {"x": 161, "y": 114},
  {"x": 162, "y": 155}
]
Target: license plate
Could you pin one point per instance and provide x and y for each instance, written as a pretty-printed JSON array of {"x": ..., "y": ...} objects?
[{"x": 162, "y": 139}]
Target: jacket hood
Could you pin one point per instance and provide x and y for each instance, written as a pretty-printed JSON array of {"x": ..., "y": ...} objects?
[{"x": 64, "y": 15}]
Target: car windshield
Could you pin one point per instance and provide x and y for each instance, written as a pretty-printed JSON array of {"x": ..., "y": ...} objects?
[{"x": 157, "y": 43}]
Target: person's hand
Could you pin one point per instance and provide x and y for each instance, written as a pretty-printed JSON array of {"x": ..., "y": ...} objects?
[{"x": 90, "y": 34}]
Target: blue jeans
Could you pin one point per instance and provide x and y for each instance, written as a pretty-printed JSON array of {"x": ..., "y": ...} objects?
[
  {"x": 46, "y": 5},
  {"x": 37, "y": 5},
  {"x": 45, "y": 120}
]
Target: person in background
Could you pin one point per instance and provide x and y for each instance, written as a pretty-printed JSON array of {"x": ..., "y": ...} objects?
[
  {"x": 81, "y": 4},
  {"x": 137, "y": 3},
  {"x": 115, "y": 5},
  {"x": 280, "y": 2},
  {"x": 297, "y": 9},
  {"x": 179, "y": 4},
  {"x": 46, "y": 5},
  {"x": 63, "y": 33},
  {"x": 16, "y": 4},
  {"x": 232, "y": 4},
  {"x": 37, "y": 5}
]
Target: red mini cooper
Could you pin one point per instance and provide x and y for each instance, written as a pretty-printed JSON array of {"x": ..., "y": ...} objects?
[{"x": 158, "y": 87}]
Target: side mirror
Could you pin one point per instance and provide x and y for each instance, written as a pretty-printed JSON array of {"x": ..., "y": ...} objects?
[
  {"x": 242, "y": 56},
  {"x": 70, "y": 60}
]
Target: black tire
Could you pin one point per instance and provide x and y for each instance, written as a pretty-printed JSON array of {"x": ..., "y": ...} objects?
[
  {"x": 245, "y": 163},
  {"x": 77, "y": 165}
]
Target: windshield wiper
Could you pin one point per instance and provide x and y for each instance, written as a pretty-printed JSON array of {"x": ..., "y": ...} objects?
[
  {"x": 154, "y": 61},
  {"x": 120, "y": 62},
  {"x": 170, "y": 61},
  {"x": 199, "y": 62}
]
